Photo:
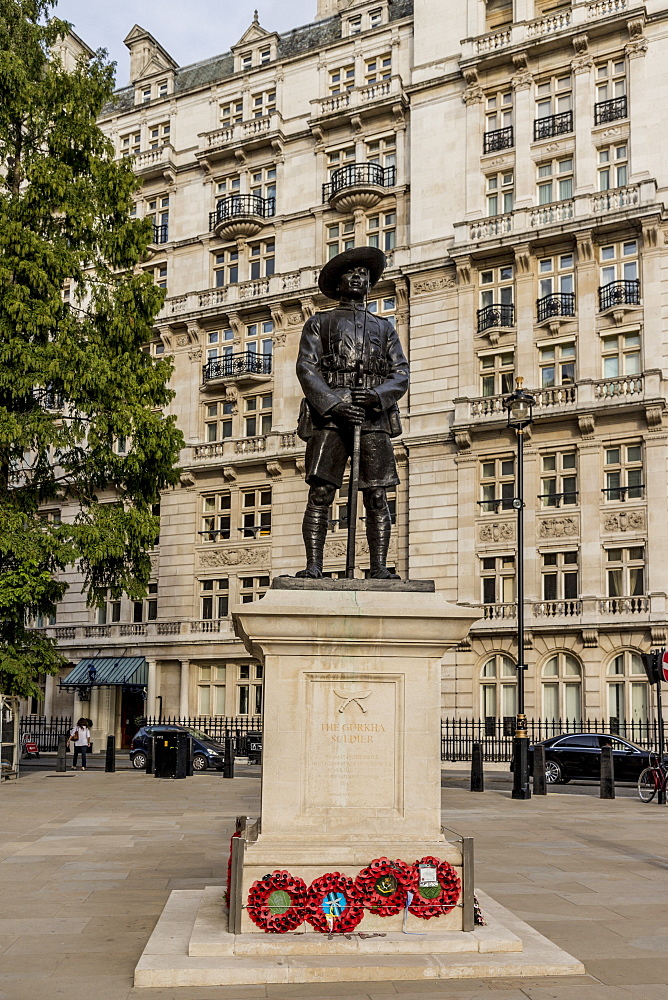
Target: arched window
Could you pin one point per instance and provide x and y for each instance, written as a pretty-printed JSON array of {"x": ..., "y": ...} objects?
[
  {"x": 498, "y": 687},
  {"x": 628, "y": 690},
  {"x": 562, "y": 688}
]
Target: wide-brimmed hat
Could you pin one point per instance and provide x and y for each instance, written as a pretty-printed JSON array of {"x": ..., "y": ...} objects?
[{"x": 371, "y": 258}]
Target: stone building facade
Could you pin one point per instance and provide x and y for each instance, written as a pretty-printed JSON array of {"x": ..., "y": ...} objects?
[{"x": 507, "y": 158}]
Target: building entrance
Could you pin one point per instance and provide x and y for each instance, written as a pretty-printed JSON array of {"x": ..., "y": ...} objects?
[{"x": 132, "y": 710}]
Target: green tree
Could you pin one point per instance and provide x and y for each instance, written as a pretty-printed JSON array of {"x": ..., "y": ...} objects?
[{"x": 73, "y": 378}]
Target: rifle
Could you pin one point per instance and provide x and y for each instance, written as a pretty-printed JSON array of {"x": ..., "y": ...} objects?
[{"x": 353, "y": 486}]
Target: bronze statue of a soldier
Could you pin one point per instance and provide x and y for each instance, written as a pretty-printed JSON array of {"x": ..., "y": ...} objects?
[{"x": 352, "y": 370}]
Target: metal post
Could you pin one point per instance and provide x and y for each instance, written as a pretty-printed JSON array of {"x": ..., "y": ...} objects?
[
  {"x": 61, "y": 759},
  {"x": 662, "y": 746},
  {"x": 521, "y": 787},
  {"x": 477, "y": 775},
  {"x": 539, "y": 782},
  {"x": 607, "y": 774},
  {"x": 228, "y": 765},
  {"x": 110, "y": 760}
]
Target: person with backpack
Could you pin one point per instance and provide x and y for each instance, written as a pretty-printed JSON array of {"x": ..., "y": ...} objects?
[{"x": 80, "y": 737}]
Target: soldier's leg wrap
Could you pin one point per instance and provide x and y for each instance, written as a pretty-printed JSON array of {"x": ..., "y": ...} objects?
[
  {"x": 378, "y": 531},
  {"x": 314, "y": 528}
]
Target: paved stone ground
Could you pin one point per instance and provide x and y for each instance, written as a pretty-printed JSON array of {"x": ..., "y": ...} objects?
[{"x": 87, "y": 861}]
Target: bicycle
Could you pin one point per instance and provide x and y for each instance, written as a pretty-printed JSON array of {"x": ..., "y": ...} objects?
[{"x": 653, "y": 779}]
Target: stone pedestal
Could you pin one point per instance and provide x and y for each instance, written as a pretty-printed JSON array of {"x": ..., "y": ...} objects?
[{"x": 351, "y": 735}]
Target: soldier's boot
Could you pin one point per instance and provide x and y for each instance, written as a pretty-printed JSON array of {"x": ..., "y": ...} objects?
[
  {"x": 378, "y": 531},
  {"x": 314, "y": 532}
]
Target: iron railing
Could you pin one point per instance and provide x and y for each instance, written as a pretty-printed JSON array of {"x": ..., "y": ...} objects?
[
  {"x": 496, "y": 735},
  {"x": 557, "y": 304},
  {"x": 617, "y": 293},
  {"x": 44, "y": 731},
  {"x": 160, "y": 233},
  {"x": 500, "y": 138},
  {"x": 622, "y": 492},
  {"x": 218, "y": 727},
  {"x": 610, "y": 111},
  {"x": 556, "y": 499},
  {"x": 359, "y": 175},
  {"x": 551, "y": 125},
  {"x": 241, "y": 206},
  {"x": 233, "y": 365},
  {"x": 495, "y": 315}
]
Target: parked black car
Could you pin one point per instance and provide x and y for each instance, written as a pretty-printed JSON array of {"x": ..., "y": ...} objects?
[
  {"x": 206, "y": 751},
  {"x": 578, "y": 755}
]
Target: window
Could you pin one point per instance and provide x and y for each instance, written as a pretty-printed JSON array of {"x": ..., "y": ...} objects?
[
  {"x": 162, "y": 88},
  {"x": 158, "y": 135},
  {"x": 258, "y": 340},
  {"x": 159, "y": 272},
  {"x": 263, "y": 103},
  {"x": 557, "y": 364},
  {"x": 131, "y": 144},
  {"x": 252, "y": 588},
  {"x": 338, "y": 512},
  {"x": 265, "y": 56},
  {"x": 146, "y": 95},
  {"x": 496, "y": 286},
  {"x": 556, "y": 275},
  {"x": 341, "y": 79},
  {"x": 386, "y": 308},
  {"x": 216, "y": 517},
  {"x": 497, "y": 484},
  {"x": 219, "y": 344},
  {"x": 263, "y": 182},
  {"x": 211, "y": 691},
  {"x": 610, "y": 79},
  {"x": 619, "y": 262},
  {"x": 256, "y": 512},
  {"x": 340, "y": 237},
  {"x": 498, "y": 110},
  {"x": 381, "y": 231},
  {"x": 500, "y": 188},
  {"x": 555, "y": 180},
  {"x": 50, "y": 516},
  {"x": 554, "y": 97},
  {"x": 226, "y": 268},
  {"x": 382, "y": 151},
  {"x": 218, "y": 424},
  {"x": 558, "y": 483},
  {"x": 257, "y": 419},
  {"x": 246, "y": 60},
  {"x": 214, "y": 598},
  {"x": 45, "y": 619},
  {"x": 228, "y": 186},
  {"x": 146, "y": 610},
  {"x": 375, "y": 18},
  {"x": 628, "y": 690},
  {"x": 498, "y": 579},
  {"x": 337, "y": 158},
  {"x": 613, "y": 167},
  {"x": 498, "y": 687},
  {"x": 623, "y": 472},
  {"x": 158, "y": 213},
  {"x": 262, "y": 259},
  {"x": 231, "y": 113},
  {"x": 560, "y": 576},
  {"x": 625, "y": 569},
  {"x": 498, "y": 14},
  {"x": 378, "y": 68},
  {"x": 497, "y": 373},
  {"x": 354, "y": 25},
  {"x": 621, "y": 354},
  {"x": 562, "y": 688}
]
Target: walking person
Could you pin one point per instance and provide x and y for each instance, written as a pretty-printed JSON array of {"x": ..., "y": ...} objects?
[{"x": 80, "y": 737}]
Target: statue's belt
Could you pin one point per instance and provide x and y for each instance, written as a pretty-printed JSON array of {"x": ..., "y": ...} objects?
[{"x": 348, "y": 379}]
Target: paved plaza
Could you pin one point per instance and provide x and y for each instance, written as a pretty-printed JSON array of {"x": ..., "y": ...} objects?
[{"x": 87, "y": 862}]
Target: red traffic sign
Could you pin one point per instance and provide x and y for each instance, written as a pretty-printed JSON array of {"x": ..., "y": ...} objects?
[{"x": 664, "y": 665}]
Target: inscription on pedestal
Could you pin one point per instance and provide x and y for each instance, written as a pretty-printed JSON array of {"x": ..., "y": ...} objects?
[{"x": 354, "y": 744}]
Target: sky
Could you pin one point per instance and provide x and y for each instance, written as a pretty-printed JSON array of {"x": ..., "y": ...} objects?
[{"x": 189, "y": 30}]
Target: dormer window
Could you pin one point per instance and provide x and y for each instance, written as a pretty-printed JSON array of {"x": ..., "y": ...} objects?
[
  {"x": 265, "y": 56},
  {"x": 375, "y": 18},
  {"x": 355, "y": 25},
  {"x": 246, "y": 60},
  {"x": 146, "y": 95},
  {"x": 162, "y": 88}
]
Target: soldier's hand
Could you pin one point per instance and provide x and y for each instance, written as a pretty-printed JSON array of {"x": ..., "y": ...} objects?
[
  {"x": 351, "y": 412},
  {"x": 365, "y": 397}
]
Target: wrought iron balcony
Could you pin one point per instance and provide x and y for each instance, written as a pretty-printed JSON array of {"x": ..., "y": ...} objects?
[
  {"x": 236, "y": 365},
  {"x": 358, "y": 185},
  {"x": 622, "y": 492},
  {"x": 546, "y": 128},
  {"x": 493, "y": 506},
  {"x": 160, "y": 233},
  {"x": 557, "y": 499},
  {"x": 557, "y": 304},
  {"x": 241, "y": 215},
  {"x": 500, "y": 138},
  {"x": 617, "y": 293},
  {"x": 495, "y": 315},
  {"x": 610, "y": 111}
]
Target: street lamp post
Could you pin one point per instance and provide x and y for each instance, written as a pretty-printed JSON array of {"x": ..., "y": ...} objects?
[{"x": 520, "y": 414}]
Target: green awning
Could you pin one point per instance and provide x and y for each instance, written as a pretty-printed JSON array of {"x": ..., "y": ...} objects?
[{"x": 110, "y": 671}]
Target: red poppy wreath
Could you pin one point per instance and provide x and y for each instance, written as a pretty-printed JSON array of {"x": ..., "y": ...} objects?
[
  {"x": 332, "y": 904},
  {"x": 433, "y": 901},
  {"x": 383, "y": 885},
  {"x": 276, "y": 902}
]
